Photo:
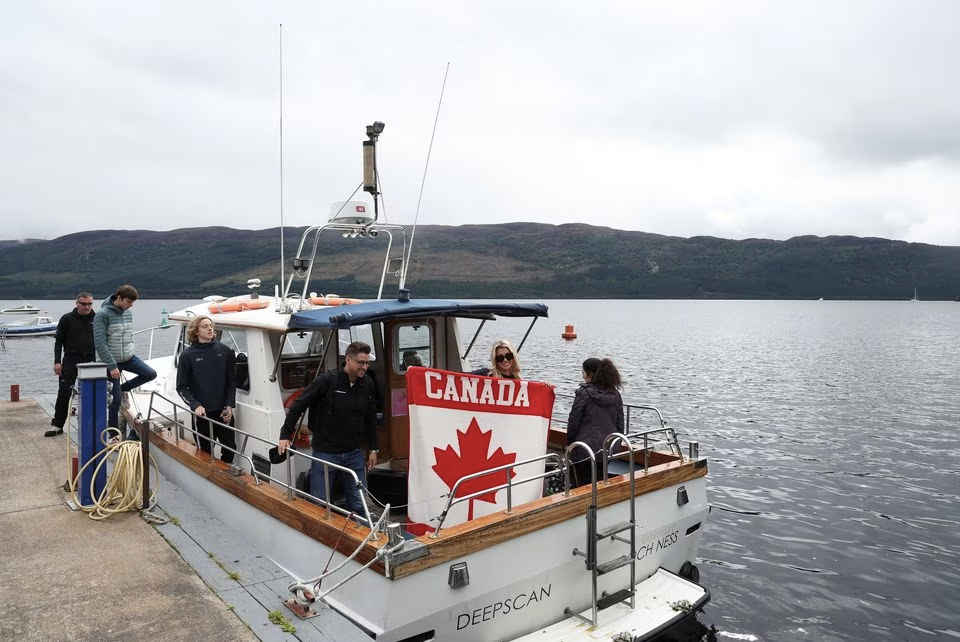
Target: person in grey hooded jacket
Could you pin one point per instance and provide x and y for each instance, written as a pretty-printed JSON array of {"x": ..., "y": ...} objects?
[
  {"x": 113, "y": 337},
  {"x": 596, "y": 413}
]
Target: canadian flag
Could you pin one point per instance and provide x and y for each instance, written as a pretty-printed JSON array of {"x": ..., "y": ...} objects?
[{"x": 462, "y": 424}]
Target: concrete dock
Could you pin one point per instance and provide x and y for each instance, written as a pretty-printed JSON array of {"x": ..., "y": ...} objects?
[{"x": 64, "y": 576}]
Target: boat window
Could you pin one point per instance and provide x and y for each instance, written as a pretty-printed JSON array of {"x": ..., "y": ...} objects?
[
  {"x": 413, "y": 346},
  {"x": 233, "y": 339},
  {"x": 305, "y": 343},
  {"x": 363, "y": 333},
  {"x": 299, "y": 373},
  {"x": 236, "y": 340},
  {"x": 243, "y": 372}
]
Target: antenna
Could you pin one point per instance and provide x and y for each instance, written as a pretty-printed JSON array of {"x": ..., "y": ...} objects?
[
  {"x": 282, "y": 279},
  {"x": 423, "y": 180}
]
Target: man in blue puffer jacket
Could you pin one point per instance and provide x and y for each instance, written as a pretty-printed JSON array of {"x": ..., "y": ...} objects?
[{"x": 113, "y": 336}]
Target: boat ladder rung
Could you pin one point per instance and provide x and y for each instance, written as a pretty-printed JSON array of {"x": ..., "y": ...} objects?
[
  {"x": 616, "y": 597},
  {"x": 613, "y": 530},
  {"x": 571, "y": 613},
  {"x": 614, "y": 564}
]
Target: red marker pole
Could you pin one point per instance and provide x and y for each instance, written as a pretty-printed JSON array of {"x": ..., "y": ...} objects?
[{"x": 14, "y": 392}]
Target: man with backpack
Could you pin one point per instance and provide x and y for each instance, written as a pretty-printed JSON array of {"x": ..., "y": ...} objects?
[{"x": 343, "y": 415}]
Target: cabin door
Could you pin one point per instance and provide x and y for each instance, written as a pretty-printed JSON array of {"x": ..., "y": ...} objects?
[{"x": 408, "y": 343}]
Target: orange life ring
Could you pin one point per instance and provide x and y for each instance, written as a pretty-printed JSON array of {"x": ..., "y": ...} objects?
[
  {"x": 238, "y": 305},
  {"x": 333, "y": 299},
  {"x": 293, "y": 397},
  {"x": 302, "y": 435}
]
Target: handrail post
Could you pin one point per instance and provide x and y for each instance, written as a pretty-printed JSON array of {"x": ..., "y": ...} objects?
[{"x": 144, "y": 427}]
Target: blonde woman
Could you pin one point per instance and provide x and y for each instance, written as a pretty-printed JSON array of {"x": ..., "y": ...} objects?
[{"x": 504, "y": 361}]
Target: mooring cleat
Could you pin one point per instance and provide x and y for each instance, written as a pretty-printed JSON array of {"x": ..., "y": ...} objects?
[
  {"x": 302, "y": 612},
  {"x": 303, "y": 602}
]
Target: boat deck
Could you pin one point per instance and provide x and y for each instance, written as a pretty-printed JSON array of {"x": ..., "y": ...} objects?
[{"x": 335, "y": 530}]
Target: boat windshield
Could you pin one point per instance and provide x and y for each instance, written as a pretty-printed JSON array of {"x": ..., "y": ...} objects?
[{"x": 304, "y": 344}]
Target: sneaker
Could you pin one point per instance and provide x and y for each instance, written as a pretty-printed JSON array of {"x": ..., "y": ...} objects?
[{"x": 53, "y": 432}]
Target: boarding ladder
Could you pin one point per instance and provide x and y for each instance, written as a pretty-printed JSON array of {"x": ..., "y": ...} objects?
[{"x": 614, "y": 532}]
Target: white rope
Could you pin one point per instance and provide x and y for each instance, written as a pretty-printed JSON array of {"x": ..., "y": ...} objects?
[{"x": 123, "y": 491}]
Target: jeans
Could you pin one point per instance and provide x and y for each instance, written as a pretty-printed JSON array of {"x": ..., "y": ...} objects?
[
  {"x": 353, "y": 460},
  {"x": 143, "y": 372}
]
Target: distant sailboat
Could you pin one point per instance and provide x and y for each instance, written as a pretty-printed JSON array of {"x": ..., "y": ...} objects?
[{"x": 915, "y": 297}]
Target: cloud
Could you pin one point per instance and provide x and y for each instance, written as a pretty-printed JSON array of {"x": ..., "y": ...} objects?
[{"x": 734, "y": 119}]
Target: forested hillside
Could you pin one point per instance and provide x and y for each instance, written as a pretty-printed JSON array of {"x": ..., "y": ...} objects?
[{"x": 517, "y": 260}]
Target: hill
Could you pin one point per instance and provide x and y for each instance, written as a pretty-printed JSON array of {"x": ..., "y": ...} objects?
[{"x": 515, "y": 260}]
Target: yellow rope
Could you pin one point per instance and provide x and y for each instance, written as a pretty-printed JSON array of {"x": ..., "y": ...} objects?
[{"x": 123, "y": 491}]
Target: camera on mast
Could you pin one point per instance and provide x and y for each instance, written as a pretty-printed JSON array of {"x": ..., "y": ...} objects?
[{"x": 370, "y": 158}]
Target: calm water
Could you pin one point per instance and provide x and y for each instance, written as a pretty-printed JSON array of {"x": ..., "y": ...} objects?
[{"x": 831, "y": 430}]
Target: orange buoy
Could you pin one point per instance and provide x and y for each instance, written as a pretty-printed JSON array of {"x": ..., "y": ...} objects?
[
  {"x": 238, "y": 304},
  {"x": 333, "y": 299},
  {"x": 568, "y": 333}
]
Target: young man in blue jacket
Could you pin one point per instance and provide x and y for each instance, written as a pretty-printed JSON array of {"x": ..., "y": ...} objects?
[{"x": 113, "y": 336}]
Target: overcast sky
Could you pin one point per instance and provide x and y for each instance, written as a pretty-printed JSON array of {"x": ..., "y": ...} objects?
[{"x": 682, "y": 117}]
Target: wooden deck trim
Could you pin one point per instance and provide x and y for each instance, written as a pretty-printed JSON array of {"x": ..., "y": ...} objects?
[
  {"x": 454, "y": 542},
  {"x": 304, "y": 516},
  {"x": 483, "y": 532}
]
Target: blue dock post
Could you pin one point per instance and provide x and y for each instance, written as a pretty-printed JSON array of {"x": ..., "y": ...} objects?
[{"x": 92, "y": 378}]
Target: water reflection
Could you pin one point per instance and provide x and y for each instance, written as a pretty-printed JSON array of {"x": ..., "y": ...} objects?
[{"x": 831, "y": 432}]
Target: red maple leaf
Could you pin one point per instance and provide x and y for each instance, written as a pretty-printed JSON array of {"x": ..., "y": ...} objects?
[{"x": 474, "y": 446}]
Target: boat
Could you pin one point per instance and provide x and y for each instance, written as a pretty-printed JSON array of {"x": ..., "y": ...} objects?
[
  {"x": 506, "y": 549},
  {"x": 35, "y": 327},
  {"x": 26, "y": 308},
  {"x": 915, "y": 297}
]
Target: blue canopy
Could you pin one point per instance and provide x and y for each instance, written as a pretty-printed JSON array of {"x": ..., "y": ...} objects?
[{"x": 345, "y": 316}]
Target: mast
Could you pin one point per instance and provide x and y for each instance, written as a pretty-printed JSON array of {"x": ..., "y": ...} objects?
[{"x": 371, "y": 179}]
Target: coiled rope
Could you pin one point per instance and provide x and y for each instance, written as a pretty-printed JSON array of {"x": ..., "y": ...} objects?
[{"x": 123, "y": 491}]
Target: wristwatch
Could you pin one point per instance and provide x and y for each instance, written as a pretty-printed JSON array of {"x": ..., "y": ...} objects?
[{"x": 375, "y": 452}]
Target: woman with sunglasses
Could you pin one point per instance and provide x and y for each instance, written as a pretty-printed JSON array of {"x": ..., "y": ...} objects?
[
  {"x": 504, "y": 362},
  {"x": 597, "y": 412}
]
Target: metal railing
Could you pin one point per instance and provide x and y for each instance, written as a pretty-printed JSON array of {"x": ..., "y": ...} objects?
[
  {"x": 152, "y": 330},
  {"x": 453, "y": 500},
  {"x": 631, "y": 415},
  {"x": 179, "y": 410}
]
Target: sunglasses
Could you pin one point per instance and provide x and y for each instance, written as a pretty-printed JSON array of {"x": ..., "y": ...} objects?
[{"x": 500, "y": 358}]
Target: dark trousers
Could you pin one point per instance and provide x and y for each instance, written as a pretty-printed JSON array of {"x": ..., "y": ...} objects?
[
  {"x": 68, "y": 377},
  {"x": 225, "y": 436},
  {"x": 582, "y": 475}
]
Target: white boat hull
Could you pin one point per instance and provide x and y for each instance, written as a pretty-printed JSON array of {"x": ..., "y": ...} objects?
[{"x": 516, "y": 587}]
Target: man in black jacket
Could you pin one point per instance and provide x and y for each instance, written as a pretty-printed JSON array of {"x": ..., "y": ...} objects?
[
  {"x": 207, "y": 381},
  {"x": 72, "y": 345},
  {"x": 343, "y": 414}
]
